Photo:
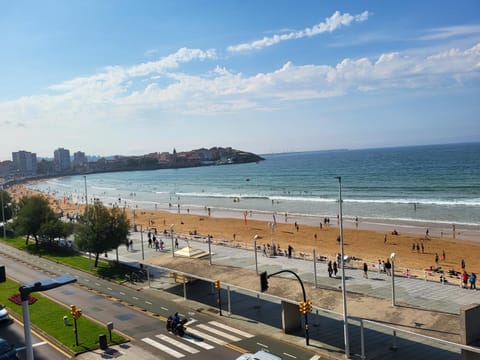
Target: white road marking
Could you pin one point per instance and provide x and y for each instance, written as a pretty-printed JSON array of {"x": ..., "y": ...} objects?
[
  {"x": 201, "y": 344},
  {"x": 148, "y": 302},
  {"x": 177, "y": 344},
  {"x": 206, "y": 336},
  {"x": 262, "y": 345},
  {"x": 134, "y": 298},
  {"x": 109, "y": 288},
  {"x": 97, "y": 284},
  {"x": 289, "y": 355},
  {"x": 163, "y": 308},
  {"x": 122, "y": 293},
  {"x": 315, "y": 357},
  {"x": 218, "y": 332},
  {"x": 164, "y": 348},
  {"x": 231, "y": 329}
]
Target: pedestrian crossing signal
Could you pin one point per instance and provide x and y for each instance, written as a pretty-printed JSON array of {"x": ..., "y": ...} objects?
[
  {"x": 217, "y": 284},
  {"x": 263, "y": 281}
]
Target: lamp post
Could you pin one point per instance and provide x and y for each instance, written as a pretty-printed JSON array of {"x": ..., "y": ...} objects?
[
  {"x": 344, "y": 294},
  {"x": 141, "y": 240},
  {"x": 86, "y": 216},
  {"x": 392, "y": 260},
  {"x": 272, "y": 231},
  {"x": 171, "y": 235},
  {"x": 3, "y": 218},
  {"x": 36, "y": 286},
  {"x": 255, "y": 249}
]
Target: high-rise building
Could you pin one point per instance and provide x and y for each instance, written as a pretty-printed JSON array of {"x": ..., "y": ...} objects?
[
  {"x": 79, "y": 158},
  {"x": 24, "y": 163},
  {"x": 61, "y": 159}
]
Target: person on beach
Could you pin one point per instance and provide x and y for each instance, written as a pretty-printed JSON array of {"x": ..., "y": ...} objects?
[
  {"x": 462, "y": 264},
  {"x": 365, "y": 270},
  {"x": 436, "y": 259},
  {"x": 443, "y": 255},
  {"x": 330, "y": 268}
]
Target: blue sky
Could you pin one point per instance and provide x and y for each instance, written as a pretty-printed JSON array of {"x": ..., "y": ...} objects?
[{"x": 133, "y": 77}]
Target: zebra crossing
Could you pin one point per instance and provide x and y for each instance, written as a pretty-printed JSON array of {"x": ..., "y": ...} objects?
[{"x": 198, "y": 337}]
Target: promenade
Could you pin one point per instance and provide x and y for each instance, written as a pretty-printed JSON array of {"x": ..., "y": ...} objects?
[{"x": 422, "y": 304}]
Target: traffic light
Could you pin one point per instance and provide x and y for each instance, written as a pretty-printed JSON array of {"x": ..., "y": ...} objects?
[
  {"x": 305, "y": 306},
  {"x": 308, "y": 306},
  {"x": 217, "y": 284},
  {"x": 78, "y": 313},
  {"x": 301, "y": 307},
  {"x": 263, "y": 281}
]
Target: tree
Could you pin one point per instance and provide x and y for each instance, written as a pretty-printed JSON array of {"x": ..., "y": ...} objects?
[
  {"x": 100, "y": 230},
  {"x": 33, "y": 212},
  {"x": 55, "y": 229},
  {"x": 8, "y": 205}
]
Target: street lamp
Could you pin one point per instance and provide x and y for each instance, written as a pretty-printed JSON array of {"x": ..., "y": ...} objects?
[
  {"x": 86, "y": 216},
  {"x": 36, "y": 286},
  {"x": 272, "y": 230},
  {"x": 392, "y": 260},
  {"x": 255, "y": 249},
  {"x": 3, "y": 218},
  {"x": 344, "y": 294},
  {"x": 171, "y": 235}
]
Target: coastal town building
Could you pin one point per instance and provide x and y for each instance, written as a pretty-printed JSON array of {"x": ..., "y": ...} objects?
[
  {"x": 79, "y": 158},
  {"x": 61, "y": 159},
  {"x": 24, "y": 163}
]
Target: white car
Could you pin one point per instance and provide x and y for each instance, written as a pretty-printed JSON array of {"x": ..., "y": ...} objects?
[
  {"x": 4, "y": 317},
  {"x": 259, "y": 355}
]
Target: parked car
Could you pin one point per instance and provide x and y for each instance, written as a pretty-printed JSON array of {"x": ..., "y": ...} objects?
[
  {"x": 7, "y": 351},
  {"x": 4, "y": 317},
  {"x": 259, "y": 355}
]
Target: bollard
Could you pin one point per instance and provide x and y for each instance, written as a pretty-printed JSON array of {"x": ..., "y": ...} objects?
[
  {"x": 102, "y": 341},
  {"x": 65, "y": 320}
]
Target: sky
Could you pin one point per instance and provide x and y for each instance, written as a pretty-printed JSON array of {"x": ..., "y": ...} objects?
[{"x": 121, "y": 77}]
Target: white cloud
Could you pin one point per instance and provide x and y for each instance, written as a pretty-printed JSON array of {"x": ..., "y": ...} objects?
[
  {"x": 451, "y": 31},
  {"x": 330, "y": 24},
  {"x": 122, "y": 94}
]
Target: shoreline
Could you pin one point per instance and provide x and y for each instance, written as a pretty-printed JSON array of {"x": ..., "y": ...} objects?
[{"x": 369, "y": 242}]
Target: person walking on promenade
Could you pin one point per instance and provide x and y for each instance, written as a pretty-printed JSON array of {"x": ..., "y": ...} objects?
[
  {"x": 473, "y": 280},
  {"x": 365, "y": 270},
  {"x": 330, "y": 268},
  {"x": 464, "y": 279},
  {"x": 388, "y": 267},
  {"x": 290, "y": 249},
  {"x": 335, "y": 268}
]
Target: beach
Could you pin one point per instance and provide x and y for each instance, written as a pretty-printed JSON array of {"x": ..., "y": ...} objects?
[{"x": 363, "y": 242}]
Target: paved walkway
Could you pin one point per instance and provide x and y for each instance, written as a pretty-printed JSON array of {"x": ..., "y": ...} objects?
[{"x": 429, "y": 294}]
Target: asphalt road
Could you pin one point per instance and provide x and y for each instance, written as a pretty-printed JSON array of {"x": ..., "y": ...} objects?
[
  {"x": 141, "y": 317},
  {"x": 42, "y": 349}
]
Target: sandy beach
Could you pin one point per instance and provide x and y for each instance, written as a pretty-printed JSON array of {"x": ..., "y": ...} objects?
[{"x": 367, "y": 243}]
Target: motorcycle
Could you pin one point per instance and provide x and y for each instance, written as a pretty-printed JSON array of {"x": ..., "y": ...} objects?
[{"x": 176, "y": 325}]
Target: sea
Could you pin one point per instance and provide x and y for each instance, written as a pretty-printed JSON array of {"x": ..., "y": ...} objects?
[{"x": 416, "y": 185}]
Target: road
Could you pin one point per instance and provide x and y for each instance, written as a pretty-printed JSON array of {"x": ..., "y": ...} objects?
[
  {"x": 141, "y": 317},
  {"x": 43, "y": 349}
]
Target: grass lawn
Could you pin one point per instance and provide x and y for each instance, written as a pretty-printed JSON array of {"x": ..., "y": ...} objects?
[
  {"x": 48, "y": 316},
  {"x": 71, "y": 258}
]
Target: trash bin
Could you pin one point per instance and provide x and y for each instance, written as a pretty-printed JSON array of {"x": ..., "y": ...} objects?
[{"x": 102, "y": 341}]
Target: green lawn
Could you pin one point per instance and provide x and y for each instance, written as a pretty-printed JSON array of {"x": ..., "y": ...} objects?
[
  {"x": 72, "y": 258},
  {"x": 48, "y": 316}
]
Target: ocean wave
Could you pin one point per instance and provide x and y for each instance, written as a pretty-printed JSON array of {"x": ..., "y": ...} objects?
[
  {"x": 470, "y": 202},
  {"x": 104, "y": 188},
  {"x": 57, "y": 183}
]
